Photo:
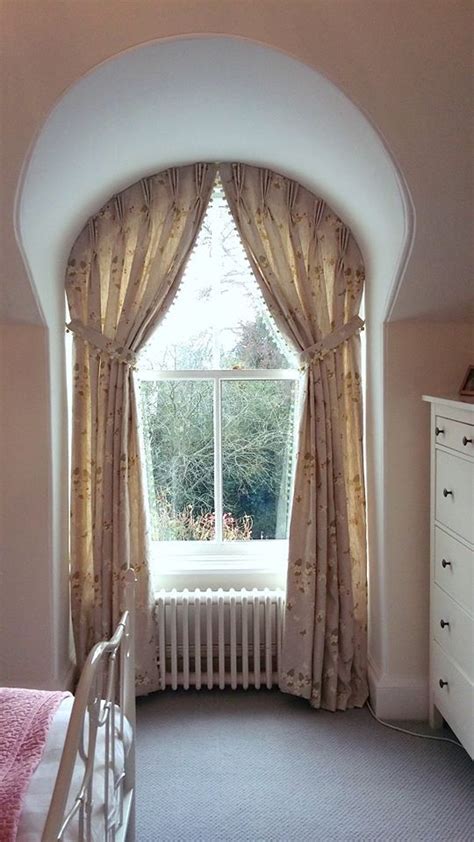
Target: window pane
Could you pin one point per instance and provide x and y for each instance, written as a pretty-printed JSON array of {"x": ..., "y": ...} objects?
[
  {"x": 257, "y": 457},
  {"x": 218, "y": 319},
  {"x": 186, "y": 338},
  {"x": 179, "y": 443}
]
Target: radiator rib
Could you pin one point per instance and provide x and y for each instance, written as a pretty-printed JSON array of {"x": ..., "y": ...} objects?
[{"x": 219, "y": 638}]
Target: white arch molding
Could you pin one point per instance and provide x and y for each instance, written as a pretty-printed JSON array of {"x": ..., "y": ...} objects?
[{"x": 173, "y": 102}]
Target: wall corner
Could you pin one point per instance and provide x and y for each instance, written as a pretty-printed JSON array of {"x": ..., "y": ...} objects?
[{"x": 397, "y": 697}]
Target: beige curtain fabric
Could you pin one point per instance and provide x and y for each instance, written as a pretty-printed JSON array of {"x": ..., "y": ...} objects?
[
  {"x": 311, "y": 274},
  {"x": 122, "y": 275}
]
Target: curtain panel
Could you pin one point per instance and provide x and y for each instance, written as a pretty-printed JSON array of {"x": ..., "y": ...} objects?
[
  {"x": 311, "y": 274},
  {"x": 122, "y": 275}
]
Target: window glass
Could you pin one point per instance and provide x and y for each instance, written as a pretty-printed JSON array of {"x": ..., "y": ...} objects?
[
  {"x": 218, "y": 388},
  {"x": 177, "y": 417},
  {"x": 257, "y": 456},
  {"x": 219, "y": 318}
]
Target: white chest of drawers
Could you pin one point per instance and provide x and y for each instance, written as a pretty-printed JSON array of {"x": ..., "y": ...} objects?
[{"x": 452, "y": 567}]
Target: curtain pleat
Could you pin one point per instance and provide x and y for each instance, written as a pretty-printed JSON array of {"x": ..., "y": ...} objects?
[
  {"x": 122, "y": 275},
  {"x": 311, "y": 274}
]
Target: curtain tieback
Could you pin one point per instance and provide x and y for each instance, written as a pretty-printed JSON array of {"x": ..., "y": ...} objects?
[
  {"x": 330, "y": 342},
  {"x": 102, "y": 343}
]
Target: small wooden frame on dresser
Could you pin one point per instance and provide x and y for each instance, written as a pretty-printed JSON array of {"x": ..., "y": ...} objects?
[{"x": 452, "y": 567}]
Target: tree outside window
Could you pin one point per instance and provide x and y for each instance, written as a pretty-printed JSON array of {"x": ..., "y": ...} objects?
[{"x": 218, "y": 391}]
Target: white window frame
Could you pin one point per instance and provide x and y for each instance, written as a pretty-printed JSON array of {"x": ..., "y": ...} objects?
[{"x": 204, "y": 559}]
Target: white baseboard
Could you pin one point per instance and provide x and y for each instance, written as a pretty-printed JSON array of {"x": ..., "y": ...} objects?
[{"x": 397, "y": 696}]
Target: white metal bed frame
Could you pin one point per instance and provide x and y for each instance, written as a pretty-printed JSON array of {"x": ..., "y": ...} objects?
[{"x": 107, "y": 680}]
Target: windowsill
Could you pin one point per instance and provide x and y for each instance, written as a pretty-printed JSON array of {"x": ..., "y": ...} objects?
[{"x": 256, "y": 564}]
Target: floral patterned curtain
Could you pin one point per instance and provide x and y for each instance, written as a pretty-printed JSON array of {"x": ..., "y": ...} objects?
[
  {"x": 311, "y": 274},
  {"x": 122, "y": 275}
]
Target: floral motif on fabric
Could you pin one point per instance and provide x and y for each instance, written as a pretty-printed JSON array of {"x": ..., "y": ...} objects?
[{"x": 312, "y": 275}]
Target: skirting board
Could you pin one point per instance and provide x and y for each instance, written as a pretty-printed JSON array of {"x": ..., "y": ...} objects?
[{"x": 397, "y": 696}]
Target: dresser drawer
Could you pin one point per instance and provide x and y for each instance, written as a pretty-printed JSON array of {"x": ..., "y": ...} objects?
[
  {"x": 453, "y": 568},
  {"x": 455, "y": 700},
  {"x": 453, "y": 629},
  {"x": 455, "y": 435},
  {"x": 454, "y": 494}
]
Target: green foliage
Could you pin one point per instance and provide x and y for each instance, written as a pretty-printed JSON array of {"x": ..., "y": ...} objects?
[
  {"x": 257, "y": 446},
  {"x": 256, "y": 452},
  {"x": 255, "y": 348},
  {"x": 256, "y": 457},
  {"x": 178, "y": 421}
]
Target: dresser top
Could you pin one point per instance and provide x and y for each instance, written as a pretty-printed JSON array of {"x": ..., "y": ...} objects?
[{"x": 454, "y": 401}]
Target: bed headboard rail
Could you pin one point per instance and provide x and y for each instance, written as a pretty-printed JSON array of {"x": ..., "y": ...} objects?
[{"x": 104, "y": 702}]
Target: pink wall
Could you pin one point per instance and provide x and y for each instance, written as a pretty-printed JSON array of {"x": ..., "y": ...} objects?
[
  {"x": 25, "y": 510},
  {"x": 420, "y": 358}
]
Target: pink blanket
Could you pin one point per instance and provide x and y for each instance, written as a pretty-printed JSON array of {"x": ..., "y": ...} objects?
[{"x": 25, "y": 716}]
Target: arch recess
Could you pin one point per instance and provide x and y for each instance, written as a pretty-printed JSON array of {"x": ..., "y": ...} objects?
[
  {"x": 177, "y": 101},
  {"x": 209, "y": 98}
]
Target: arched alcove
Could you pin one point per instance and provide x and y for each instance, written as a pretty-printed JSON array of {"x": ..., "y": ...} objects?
[
  {"x": 210, "y": 98},
  {"x": 176, "y": 101}
]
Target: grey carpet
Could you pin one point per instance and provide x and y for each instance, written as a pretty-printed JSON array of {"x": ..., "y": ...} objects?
[{"x": 258, "y": 766}]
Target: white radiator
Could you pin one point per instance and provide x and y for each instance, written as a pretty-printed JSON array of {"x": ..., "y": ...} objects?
[{"x": 219, "y": 638}]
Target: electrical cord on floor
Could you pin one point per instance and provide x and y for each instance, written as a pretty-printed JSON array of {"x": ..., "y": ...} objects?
[{"x": 412, "y": 733}]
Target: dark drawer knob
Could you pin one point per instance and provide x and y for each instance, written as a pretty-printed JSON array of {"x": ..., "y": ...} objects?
[
  {"x": 445, "y": 563},
  {"x": 446, "y": 493},
  {"x": 443, "y": 683},
  {"x": 466, "y": 441},
  {"x": 444, "y": 623},
  {"x": 438, "y": 431}
]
